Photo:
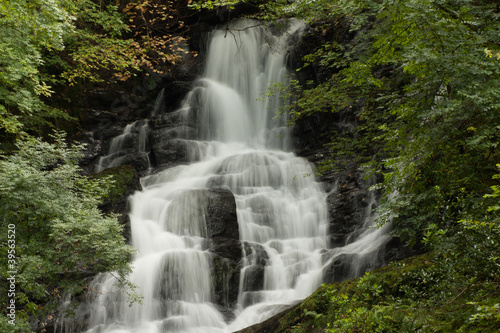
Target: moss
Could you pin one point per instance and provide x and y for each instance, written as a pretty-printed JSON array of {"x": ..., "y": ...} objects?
[{"x": 123, "y": 177}]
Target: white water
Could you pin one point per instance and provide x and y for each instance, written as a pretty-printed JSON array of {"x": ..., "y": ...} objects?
[
  {"x": 133, "y": 139},
  {"x": 280, "y": 206}
]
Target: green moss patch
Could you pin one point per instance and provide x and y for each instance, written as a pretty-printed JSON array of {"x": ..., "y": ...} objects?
[{"x": 123, "y": 178}]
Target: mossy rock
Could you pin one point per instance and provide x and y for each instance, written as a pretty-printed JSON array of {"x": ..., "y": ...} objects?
[{"x": 125, "y": 182}]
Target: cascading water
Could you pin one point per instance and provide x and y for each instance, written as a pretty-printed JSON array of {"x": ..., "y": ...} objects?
[
  {"x": 132, "y": 140},
  {"x": 281, "y": 209}
]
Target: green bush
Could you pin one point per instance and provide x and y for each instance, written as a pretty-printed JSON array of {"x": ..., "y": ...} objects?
[{"x": 58, "y": 236}]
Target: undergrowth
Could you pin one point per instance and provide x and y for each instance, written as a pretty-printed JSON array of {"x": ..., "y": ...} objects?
[{"x": 419, "y": 294}]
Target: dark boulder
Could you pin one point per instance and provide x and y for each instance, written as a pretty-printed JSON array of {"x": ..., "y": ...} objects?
[
  {"x": 395, "y": 249},
  {"x": 347, "y": 202},
  {"x": 339, "y": 268},
  {"x": 170, "y": 152},
  {"x": 221, "y": 216},
  {"x": 223, "y": 241},
  {"x": 138, "y": 160},
  {"x": 256, "y": 261},
  {"x": 179, "y": 132},
  {"x": 226, "y": 268},
  {"x": 174, "y": 119}
]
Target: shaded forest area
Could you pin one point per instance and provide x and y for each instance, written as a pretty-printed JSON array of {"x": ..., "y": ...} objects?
[{"x": 419, "y": 77}]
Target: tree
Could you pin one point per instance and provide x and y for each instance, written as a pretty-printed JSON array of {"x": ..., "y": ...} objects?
[
  {"x": 76, "y": 38},
  {"x": 445, "y": 142},
  {"x": 159, "y": 31},
  {"x": 70, "y": 46},
  {"x": 27, "y": 28},
  {"x": 54, "y": 236}
]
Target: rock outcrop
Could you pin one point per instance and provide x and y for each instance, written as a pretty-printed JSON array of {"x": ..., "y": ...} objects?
[{"x": 223, "y": 241}]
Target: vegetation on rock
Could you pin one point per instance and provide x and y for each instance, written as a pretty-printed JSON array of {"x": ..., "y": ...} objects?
[{"x": 415, "y": 295}]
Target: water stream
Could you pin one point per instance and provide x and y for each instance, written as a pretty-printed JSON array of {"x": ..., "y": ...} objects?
[{"x": 281, "y": 209}]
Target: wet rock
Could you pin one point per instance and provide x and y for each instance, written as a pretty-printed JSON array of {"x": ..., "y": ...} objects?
[
  {"x": 93, "y": 150},
  {"x": 179, "y": 83},
  {"x": 310, "y": 135},
  {"x": 179, "y": 132},
  {"x": 254, "y": 278},
  {"x": 138, "y": 160},
  {"x": 395, "y": 250},
  {"x": 174, "y": 119},
  {"x": 339, "y": 269},
  {"x": 221, "y": 215},
  {"x": 346, "y": 206},
  {"x": 255, "y": 253},
  {"x": 226, "y": 248},
  {"x": 223, "y": 241},
  {"x": 226, "y": 274},
  {"x": 257, "y": 260},
  {"x": 170, "y": 152}
]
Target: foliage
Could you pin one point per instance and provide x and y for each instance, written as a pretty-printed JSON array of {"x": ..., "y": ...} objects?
[
  {"x": 28, "y": 28},
  {"x": 61, "y": 237},
  {"x": 55, "y": 45},
  {"x": 447, "y": 136},
  {"x": 417, "y": 294},
  {"x": 95, "y": 45},
  {"x": 210, "y": 5},
  {"x": 122, "y": 178},
  {"x": 158, "y": 29},
  {"x": 82, "y": 33}
]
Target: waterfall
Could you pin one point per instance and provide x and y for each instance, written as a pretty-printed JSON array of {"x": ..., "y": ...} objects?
[
  {"x": 239, "y": 145},
  {"x": 158, "y": 107},
  {"x": 132, "y": 140}
]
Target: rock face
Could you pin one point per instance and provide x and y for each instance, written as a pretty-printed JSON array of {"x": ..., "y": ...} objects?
[
  {"x": 339, "y": 268},
  {"x": 257, "y": 260},
  {"x": 349, "y": 201},
  {"x": 221, "y": 215},
  {"x": 104, "y": 114},
  {"x": 223, "y": 240}
]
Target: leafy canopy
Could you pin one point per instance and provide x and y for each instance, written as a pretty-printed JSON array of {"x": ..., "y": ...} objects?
[{"x": 27, "y": 28}]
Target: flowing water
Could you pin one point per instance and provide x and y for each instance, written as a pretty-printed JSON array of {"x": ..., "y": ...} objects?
[
  {"x": 242, "y": 147},
  {"x": 132, "y": 140}
]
